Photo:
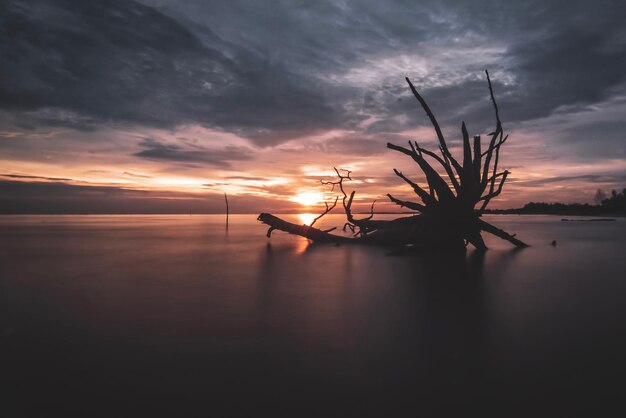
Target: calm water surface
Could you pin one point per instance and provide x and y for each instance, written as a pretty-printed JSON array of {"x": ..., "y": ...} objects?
[{"x": 134, "y": 315}]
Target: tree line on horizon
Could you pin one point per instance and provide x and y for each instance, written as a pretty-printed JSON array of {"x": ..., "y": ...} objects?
[{"x": 615, "y": 204}]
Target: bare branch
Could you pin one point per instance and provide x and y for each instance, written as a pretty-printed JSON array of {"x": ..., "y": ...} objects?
[
  {"x": 426, "y": 198},
  {"x": 495, "y": 146},
  {"x": 433, "y": 178},
  {"x": 364, "y": 225},
  {"x": 433, "y": 121},
  {"x": 493, "y": 100},
  {"x": 500, "y": 174},
  {"x": 495, "y": 135},
  {"x": 406, "y": 203},
  {"x": 328, "y": 209},
  {"x": 477, "y": 157},
  {"x": 493, "y": 177},
  {"x": 445, "y": 163},
  {"x": 488, "y": 154},
  {"x": 487, "y": 227},
  {"x": 493, "y": 194},
  {"x": 371, "y": 211},
  {"x": 468, "y": 167}
]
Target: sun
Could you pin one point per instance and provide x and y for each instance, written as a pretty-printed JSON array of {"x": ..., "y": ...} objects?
[{"x": 308, "y": 198}]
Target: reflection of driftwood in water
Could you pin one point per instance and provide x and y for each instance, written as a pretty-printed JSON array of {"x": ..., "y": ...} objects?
[{"x": 448, "y": 218}]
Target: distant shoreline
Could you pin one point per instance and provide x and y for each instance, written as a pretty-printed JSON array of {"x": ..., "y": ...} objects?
[
  {"x": 522, "y": 211},
  {"x": 487, "y": 212}
]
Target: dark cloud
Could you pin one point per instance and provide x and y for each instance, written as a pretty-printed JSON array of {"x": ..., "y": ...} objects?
[
  {"x": 590, "y": 178},
  {"x": 348, "y": 144},
  {"x": 25, "y": 197},
  {"x": 139, "y": 176},
  {"x": 355, "y": 146},
  {"x": 596, "y": 140},
  {"x": 120, "y": 61},
  {"x": 569, "y": 67},
  {"x": 277, "y": 71},
  {"x": 61, "y": 197},
  {"x": 18, "y": 176},
  {"x": 154, "y": 150}
]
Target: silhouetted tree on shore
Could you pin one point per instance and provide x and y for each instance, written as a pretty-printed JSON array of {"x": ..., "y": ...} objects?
[{"x": 616, "y": 203}]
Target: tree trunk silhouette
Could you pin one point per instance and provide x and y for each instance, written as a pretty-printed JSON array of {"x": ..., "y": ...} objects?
[{"x": 448, "y": 214}]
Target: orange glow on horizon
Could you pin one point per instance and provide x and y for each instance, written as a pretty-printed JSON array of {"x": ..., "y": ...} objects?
[{"x": 283, "y": 178}]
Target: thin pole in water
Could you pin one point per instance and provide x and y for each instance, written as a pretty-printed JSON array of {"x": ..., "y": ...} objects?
[{"x": 226, "y": 199}]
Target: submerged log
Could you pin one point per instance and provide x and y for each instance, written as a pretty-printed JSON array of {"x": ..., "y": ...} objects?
[
  {"x": 447, "y": 216},
  {"x": 306, "y": 231},
  {"x": 417, "y": 231}
]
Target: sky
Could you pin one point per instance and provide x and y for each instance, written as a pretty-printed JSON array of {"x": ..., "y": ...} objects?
[{"x": 162, "y": 106}]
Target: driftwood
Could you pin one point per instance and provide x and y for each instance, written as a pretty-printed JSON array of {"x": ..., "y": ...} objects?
[{"x": 447, "y": 217}]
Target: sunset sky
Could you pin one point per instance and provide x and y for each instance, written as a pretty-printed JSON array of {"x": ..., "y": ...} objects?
[{"x": 163, "y": 105}]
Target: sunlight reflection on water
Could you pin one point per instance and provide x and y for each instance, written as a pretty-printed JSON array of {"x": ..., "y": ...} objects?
[{"x": 306, "y": 218}]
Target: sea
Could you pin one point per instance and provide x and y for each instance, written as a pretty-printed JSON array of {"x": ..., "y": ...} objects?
[{"x": 180, "y": 315}]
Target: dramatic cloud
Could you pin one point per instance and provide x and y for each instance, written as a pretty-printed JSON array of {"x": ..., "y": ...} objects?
[
  {"x": 118, "y": 60},
  {"x": 242, "y": 95},
  {"x": 170, "y": 152},
  {"x": 40, "y": 197}
]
